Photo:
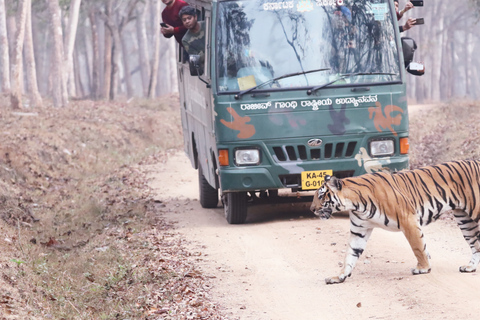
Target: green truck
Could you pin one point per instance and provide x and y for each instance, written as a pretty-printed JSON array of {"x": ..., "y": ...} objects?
[{"x": 290, "y": 91}]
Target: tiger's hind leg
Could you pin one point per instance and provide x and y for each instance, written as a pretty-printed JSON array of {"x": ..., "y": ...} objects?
[
  {"x": 416, "y": 239},
  {"x": 471, "y": 234}
]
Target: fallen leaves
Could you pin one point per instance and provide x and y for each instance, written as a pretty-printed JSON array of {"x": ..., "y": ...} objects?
[{"x": 6, "y": 304}]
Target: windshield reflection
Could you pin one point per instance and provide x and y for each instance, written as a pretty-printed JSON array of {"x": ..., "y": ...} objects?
[{"x": 260, "y": 40}]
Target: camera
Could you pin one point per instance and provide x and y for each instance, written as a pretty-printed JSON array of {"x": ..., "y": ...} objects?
[{"x": 417, "y": 3}]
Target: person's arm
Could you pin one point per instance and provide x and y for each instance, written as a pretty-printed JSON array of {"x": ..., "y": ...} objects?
[
  {"x": 179, "y": 29},
  {"x": 408, "y": 6},
  {"x": 169, "y": 30}
]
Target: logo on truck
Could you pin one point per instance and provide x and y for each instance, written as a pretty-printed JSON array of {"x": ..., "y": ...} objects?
[
  {"x": 385, "y": 118},
  {"x": 315, "y": 142},
  {"x": 239, "y": 123}
]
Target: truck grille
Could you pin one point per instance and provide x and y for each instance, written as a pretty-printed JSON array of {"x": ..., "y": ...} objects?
[{"x": 300, "y": 152}]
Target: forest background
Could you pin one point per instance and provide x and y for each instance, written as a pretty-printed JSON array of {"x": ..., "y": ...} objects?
[{"x": 105, "y": 49}]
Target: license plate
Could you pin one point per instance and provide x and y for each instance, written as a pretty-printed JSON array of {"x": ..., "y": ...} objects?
[{"x": 314, "y": 179}]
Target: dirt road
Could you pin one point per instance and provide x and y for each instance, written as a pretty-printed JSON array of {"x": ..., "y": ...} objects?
[{"x": 274, "y": 266}]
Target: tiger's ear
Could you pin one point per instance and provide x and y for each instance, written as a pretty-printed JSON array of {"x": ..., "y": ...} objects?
[{"x": 333, "y": 183}]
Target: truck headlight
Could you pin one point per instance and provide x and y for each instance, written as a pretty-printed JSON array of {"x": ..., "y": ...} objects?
[
  {"x": 382, "y": 148},
  {"x": 247, "y": 157}
]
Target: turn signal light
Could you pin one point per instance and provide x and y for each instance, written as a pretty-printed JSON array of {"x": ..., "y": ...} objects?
[
  {"x": 223, "y": 157},
  {"x": 404, "y": 145}
]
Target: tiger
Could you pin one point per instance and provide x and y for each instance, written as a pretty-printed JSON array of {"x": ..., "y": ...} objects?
[{"x": 404, "y": 201}]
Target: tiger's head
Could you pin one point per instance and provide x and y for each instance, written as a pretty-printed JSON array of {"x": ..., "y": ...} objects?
[{"x": 326, "y": 199}]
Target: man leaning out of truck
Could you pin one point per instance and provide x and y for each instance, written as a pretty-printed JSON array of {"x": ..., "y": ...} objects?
[{"x": 194, "y": 40}]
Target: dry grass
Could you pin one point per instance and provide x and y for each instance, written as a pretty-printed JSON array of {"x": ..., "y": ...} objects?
[
  {"x": 445, "y": 132},
  {"x": 75, "y": 210}
]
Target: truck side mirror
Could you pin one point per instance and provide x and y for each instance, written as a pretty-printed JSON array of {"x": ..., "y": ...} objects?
[
  {"x": 196, "y": 69},
  {"x": 409, "y": 46},
  {"x": 194, "y": 63}
]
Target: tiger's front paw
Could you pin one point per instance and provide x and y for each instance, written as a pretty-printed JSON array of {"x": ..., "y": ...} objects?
[
  {"x": 467, "y": 269},
  {"x": 334, "y": 280},
  {"x": 420, "y": 271}
]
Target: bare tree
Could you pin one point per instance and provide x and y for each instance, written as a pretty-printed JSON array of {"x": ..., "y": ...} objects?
[
  {"x": 115, "y": 31},
  {"x": 143, "y": 46},
  {"x": 107, "y": 71},
  {"x": 156, "y": 52},
  {"x": 60, "y": 96},
  {"x": 4, "y": 55},
  {"x": 36, "y": 99},
  {"x": 16, "y": 94},
  {"x": 126, "y": 64},
  {"x": 95, "y": 89},
  {"x": 70, "y": 37}
]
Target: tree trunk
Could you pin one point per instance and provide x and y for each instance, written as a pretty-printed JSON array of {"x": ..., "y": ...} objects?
[
  {"x": 107, "y": 71},
  {"x": 95, "y": 88},
  {"x": 126, "y": 66},
  {"x": 143, "y": 47},
  {"x": 4, "y": 54},
  {"x": 468, "y": 46},
  {"x": 78, "y": 74},
  {"x": 116, "y": 30},
  {"x": 31, "y": 71},
  {"x": 59, "y": 88},
  {"x": 85, "y": 60},
  {"x": 167, "y": 70},
  {"x": 11, "y": 32},
  {"x": 156, "y": 52},
  {"x": 476, "y": 82},
  {"x": 116, "y": 47},
  {"x": 16, "y": 94},
  {"x": 70, "y": 36},
  {"x": 173, "y": 82}
]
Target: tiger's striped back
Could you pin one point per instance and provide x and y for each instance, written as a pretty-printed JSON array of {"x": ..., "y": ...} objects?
[{"x": 429, "y": 191}]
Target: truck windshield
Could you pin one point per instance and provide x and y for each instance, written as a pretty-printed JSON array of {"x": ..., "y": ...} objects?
[{"x": 259, "y": 40}]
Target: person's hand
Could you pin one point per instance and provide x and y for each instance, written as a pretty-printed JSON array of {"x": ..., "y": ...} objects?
[
  {"x": 408, "y": 6},
  {"x": 409, "y": 24},
  {"x": 167, "y": 31}
]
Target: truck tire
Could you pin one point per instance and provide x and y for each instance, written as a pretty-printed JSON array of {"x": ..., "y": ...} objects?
[
  {"x": 235, "y": 206},
  {"x": 208, "y": 194}
]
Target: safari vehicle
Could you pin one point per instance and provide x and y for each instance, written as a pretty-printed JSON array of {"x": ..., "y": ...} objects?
[{"x": 291, "y": 91}]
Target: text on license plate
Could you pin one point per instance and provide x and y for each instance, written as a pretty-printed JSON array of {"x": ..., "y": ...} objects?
[{"x": 314, "y": 179}]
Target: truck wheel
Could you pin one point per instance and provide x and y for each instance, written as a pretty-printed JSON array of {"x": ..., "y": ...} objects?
[
  {"x": 208, "y": 194},
  {"x": 235, "y": 206}
]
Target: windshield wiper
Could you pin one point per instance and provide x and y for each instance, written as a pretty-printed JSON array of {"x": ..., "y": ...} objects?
[
  {"x": 241, "y": 93},
  {"x": 345, "y": 76}
]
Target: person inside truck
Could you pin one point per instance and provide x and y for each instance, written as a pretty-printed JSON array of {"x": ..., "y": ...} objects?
[{"x": 194, "y": 39}]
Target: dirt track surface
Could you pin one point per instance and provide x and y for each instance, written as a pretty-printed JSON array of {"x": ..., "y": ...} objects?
[{"x": 273, "y": 267}]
